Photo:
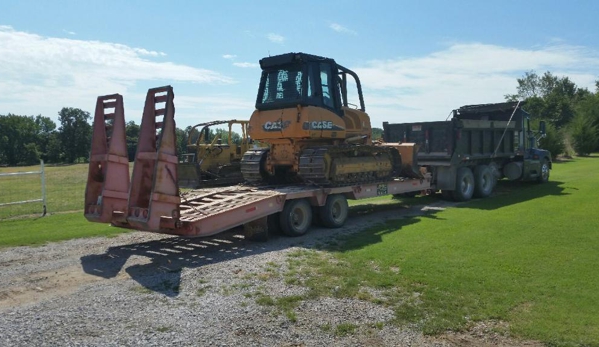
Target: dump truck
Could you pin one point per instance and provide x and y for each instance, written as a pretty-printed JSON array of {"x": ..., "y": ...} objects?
[
  {"x": 212, "y": 161},
  {"x": 480, "y": 144}
]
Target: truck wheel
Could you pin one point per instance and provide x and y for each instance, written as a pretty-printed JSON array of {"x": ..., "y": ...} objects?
[
  {"x": 544, "y": 174},
  {"x": 484, "y": 181},
  {"x": 296, "y": 217},
  {"x": 334, "y": 212},
  {"x": 464, "y": 187}
]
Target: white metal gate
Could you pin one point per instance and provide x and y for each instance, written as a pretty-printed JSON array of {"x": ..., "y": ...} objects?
[{"x": 43, "y": 188}]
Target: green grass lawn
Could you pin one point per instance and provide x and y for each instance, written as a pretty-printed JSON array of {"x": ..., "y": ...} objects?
[
  {"x": 38, "y": 231},
  {"x": 528, "y": 256}
]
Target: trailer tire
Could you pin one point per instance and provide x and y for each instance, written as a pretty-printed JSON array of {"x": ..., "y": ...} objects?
[
  {"x": 334, "y": 212},
  {"x": 544, "y": 174},
  {"x": 464, "y": 185},
  {"x": 296, "y": 217},
  {"x": 484, "y": 181}
]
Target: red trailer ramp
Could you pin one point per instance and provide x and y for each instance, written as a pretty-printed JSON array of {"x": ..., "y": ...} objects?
[{"x": 108, "y": 174}]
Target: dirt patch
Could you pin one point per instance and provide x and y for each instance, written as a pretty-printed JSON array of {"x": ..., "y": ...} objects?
[{"x": 485, "y": 334}]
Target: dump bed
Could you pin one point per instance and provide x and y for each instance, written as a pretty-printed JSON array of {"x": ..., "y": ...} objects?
[{"x": 474, "y": 132}]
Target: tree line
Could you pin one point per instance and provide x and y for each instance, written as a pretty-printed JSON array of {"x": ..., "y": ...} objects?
[
  {"x": 571, "y": 114},
  {"x": 24, "y": 140}
]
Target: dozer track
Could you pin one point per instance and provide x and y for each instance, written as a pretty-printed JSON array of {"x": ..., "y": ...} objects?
[
  {"x": 252, "y": 165},
  {"x": 346, "y": 165}
]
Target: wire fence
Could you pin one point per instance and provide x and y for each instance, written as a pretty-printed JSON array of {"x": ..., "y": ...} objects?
[{"x": 64, "y": 190}]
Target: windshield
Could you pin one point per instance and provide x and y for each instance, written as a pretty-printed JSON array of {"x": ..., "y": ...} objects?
[{"x": 282, "y": 85}]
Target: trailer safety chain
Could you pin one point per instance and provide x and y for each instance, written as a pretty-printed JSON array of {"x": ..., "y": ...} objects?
[{"x": 505, "y": 130}]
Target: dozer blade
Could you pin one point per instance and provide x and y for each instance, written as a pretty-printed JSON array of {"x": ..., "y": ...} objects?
[
  {"x": 154, "y": 196},
  {"x": 108, "y": 176},
  {"x": 409, "y": 162}
]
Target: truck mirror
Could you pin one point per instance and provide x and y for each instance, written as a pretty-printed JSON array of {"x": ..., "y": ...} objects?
[{"x": 542, "y": 127}]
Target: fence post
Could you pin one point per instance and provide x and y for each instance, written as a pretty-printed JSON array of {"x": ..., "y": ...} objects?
[{"x": 43, "y": 174}]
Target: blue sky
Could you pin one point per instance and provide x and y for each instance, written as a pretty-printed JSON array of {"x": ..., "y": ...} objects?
[{"x": 417, "y": 60}]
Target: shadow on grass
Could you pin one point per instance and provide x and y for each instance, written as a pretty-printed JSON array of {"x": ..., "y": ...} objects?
[
  {"x": 509, "y": 193},
  {"x": 374, "y": 234}
]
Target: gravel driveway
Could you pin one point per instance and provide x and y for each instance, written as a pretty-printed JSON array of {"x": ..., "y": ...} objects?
[{"x": 142, "y": 289}]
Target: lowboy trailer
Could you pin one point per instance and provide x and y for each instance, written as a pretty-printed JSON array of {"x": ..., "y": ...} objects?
[{"x": 151, "y": 200}]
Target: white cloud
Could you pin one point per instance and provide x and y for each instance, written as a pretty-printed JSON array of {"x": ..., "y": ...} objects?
[
  {"x": 229, "y": 56},
  {"x": 150, "y": 53},
  {"x": 45, "y": 73},
  {"x": 69, "y": 32},
  {"x": 276, "y": 38},
  {"x": 429, "y": 87},
  {"x": 245, "y": 64},
  {"x": 219, "y": 106},
  {"x": 341, "y": 29}
]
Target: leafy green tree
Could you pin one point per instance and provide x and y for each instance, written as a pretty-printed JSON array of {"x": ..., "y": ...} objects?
[
  {"x": 224, "y": 136},
  {"x": 377, "y": 133},
  {"x": 132, "y": 135},
  {"x": 588, "y": 108},
  {"x": 553, "y": 141},
  {"x": 528, "y": 86},
  {"x": 30, "y": 154},
  {"x": 75, "y": 133},
  {"x": 54, "y": 152},
  {"x": 15, "y": 133},
  {"x": 181, "y": 136},
  {"x": 585, "y": 134},
  {"x": 549, "y": 97},
  {"x": 46, "y": 128}
]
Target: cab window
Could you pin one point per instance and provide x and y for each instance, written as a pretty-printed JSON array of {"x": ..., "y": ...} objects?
[{"x": 327, "y": 85}]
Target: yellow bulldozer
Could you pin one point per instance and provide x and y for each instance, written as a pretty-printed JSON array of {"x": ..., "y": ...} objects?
[
  {"x": 213, "y": 158},
  {"x": 314, "y": 132}
]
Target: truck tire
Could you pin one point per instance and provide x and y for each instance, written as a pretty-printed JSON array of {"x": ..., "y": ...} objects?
[
  {"x": 484, "y": 181},
  {"x": 296, "y": 217},
  {"x": 544, "y": 174},
  {"x": 464, "y": 186},
  {"x": 334, "y": 212}
]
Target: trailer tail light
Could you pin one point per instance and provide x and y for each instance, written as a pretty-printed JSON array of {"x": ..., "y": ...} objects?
[{"x": 535, "y": 156}]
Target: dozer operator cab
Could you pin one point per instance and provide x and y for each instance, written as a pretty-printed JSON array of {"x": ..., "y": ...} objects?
[
  {"x": 303, "y": 111},
  {"x": 302, "y": 79}
]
